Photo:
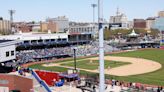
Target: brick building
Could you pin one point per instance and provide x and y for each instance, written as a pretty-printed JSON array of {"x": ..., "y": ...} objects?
[
  {"x": 15, "y": 82},
  {"x": 52, "y": 26},
  {"x": 43, "y": 26},
  {"x": 139, "y": 24},
  {"x": 61, "y": 22},
  {"x": 22, "y": 26}
]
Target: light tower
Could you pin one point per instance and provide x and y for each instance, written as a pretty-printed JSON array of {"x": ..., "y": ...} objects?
[
  {"x": 101, "y": 46},
  {"x": 11, "y": 12},
  {"x": 95, "y": 31},
  {"x": 93, "y": 6},
  {"x": 118, "y": 11}
]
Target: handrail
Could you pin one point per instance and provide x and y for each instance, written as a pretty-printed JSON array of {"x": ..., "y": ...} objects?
[{"x": 42, "y": 82}]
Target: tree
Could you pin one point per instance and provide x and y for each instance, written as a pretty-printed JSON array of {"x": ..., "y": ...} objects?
[{"x": 107, "y": 34}]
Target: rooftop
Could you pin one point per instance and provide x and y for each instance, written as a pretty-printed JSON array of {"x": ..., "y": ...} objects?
[{"x": 2, "y": 41}]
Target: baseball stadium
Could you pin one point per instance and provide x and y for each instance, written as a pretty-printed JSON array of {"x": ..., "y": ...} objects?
[
  {"x": 65, "y": 56},
  {"x": 72, "y": 65}
]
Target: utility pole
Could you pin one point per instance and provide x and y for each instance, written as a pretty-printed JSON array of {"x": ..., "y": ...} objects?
[{"x": 101, "y": 47}]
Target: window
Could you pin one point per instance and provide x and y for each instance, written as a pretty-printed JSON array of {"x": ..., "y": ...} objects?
[
  {"x": 7, "y": 54},
  {"x": 12, "y": 53},
  {"x": 26, "y": 41}
]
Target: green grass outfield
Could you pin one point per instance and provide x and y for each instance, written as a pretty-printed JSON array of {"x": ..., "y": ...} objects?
[
  {"x": 155, "y": 78},
  {"x": 85, "y": 64}
]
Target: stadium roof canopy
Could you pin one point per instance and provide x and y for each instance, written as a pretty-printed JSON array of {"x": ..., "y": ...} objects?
[
  {"x": 33, "y": 36},
  {"x": 7, "y": 42}
]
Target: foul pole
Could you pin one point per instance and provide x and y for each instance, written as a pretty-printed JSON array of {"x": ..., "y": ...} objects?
[{"x": 101, "y": 47}]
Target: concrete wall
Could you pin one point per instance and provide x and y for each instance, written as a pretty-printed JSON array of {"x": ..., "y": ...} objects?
[{"x": 4, "y": 49}]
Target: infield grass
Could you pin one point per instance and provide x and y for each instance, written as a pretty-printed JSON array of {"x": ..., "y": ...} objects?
[{"x": 86, "y": 64}]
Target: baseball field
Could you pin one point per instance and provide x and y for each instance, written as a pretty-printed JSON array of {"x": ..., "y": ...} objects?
[{"x": 144, "y": 66}]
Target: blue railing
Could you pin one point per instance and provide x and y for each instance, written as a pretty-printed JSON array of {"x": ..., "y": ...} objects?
[{"x": 43, "y": 83}]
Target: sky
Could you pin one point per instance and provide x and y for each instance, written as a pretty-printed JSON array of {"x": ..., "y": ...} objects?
[{"x": 77, "y": 10}]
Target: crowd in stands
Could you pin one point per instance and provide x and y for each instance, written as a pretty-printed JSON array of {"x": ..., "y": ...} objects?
[
  {"x": 134, "y": 87},
  {"x": 50, "y": 53}
]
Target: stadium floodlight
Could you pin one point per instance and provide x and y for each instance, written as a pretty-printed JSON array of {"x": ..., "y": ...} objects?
[
  {"x": 93, "y": 6},
  {"x": 11, "y": 12},
  {"x": 101, "y": 47}
]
